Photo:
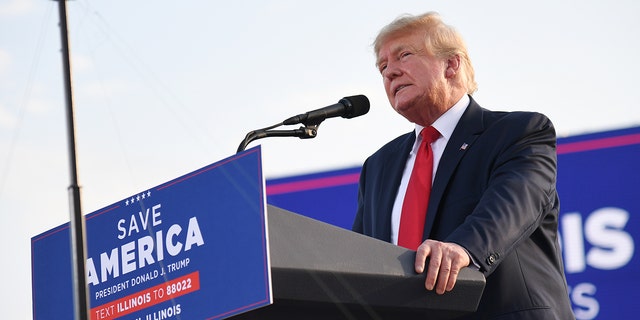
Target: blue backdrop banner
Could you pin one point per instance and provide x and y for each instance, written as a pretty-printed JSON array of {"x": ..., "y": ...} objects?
[{"x": 598, "y": 178}]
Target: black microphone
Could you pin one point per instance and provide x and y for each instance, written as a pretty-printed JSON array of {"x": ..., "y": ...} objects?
[{"x": 347, "y": 107}]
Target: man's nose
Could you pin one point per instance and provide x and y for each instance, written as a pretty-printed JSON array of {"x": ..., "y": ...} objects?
[{"x": 391, "y": 71}]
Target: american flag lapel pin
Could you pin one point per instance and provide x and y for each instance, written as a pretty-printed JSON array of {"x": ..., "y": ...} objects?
[{"x": 464, "y": 146}]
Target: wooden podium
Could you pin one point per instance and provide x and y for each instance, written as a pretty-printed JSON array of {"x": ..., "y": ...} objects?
[{"x": 320, "y": 271}]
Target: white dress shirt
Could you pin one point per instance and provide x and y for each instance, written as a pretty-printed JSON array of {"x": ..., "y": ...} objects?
[{"x": 445, "y": 125}]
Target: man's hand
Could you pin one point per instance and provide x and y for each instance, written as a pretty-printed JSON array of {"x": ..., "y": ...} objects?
[{"x": 445, "y": 261}]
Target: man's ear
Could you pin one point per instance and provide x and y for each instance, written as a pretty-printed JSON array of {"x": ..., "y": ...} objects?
[{"x": 453, "y": 66}]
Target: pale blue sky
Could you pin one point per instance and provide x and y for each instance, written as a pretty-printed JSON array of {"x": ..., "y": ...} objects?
[{"x": 163, "y": 88}]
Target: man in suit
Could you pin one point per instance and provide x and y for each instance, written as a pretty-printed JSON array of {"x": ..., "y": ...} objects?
[{"x": 493, "y": 203}]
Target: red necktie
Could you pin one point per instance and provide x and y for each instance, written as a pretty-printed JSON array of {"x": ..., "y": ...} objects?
[{"x": 416, "y": 199}]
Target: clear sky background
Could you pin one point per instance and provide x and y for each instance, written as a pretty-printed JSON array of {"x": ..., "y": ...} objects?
[{"x": 163, "y": 88}]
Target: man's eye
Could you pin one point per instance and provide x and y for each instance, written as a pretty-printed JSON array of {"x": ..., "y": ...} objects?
[
  {"x": 405, "y": 54},
  {"x": 382, "y": 68}
]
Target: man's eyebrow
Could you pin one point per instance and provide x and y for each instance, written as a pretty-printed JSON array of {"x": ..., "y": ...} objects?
[{"x": 394, "y": 51}]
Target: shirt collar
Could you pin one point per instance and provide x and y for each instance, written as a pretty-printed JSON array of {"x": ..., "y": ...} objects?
[{"x": 447, "y": 122}]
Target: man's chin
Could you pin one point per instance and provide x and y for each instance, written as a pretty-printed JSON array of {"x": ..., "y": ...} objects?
[
  {"x": 407, "y": 115},
  {"x": 402, "y": 107}
]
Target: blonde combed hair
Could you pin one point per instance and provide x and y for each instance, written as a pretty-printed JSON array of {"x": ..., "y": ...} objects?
[{"x": 441, "y": 40}]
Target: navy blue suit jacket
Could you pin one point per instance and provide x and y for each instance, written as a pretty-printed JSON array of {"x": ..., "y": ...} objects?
[{"x": 494, "y": 193}]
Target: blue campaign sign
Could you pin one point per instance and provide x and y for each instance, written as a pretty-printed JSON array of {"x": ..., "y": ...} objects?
[
  {"x": 598, "y": 177},
  {"x": 598, "y": 185},
  {"x": 192, "y": 248}
]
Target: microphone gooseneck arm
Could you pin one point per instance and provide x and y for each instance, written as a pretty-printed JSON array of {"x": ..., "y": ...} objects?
[{"x": 305, "y": 132}]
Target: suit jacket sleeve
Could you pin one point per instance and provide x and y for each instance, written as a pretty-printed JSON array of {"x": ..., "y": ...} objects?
[{"x": 518, "y": 195}]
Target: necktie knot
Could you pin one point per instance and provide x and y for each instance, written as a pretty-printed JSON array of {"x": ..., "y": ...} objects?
[{"x": 429, "y": 134}]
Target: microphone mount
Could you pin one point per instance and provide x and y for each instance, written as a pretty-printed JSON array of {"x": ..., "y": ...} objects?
[{"x": 347, "y": 107}]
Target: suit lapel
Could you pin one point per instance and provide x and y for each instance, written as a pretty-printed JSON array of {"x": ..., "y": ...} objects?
[
  {"x": 391, "y": 177},
  {"x": 467, "y": 130}
]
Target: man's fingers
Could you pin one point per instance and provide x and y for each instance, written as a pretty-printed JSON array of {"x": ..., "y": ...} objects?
[
  {"x": 452, "y": 274},
  {"x": 453, "y": 277},
  {"x": 435, "y": 261},
  {"x": 429, "y": 249},
  {"x": 445, "y": 262},
  {"x": 421, "y": 257},
  {"x": 443, "y": 276}
]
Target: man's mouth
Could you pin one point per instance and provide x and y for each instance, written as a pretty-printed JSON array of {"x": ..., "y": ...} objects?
[{"x": 400, "y": 87}]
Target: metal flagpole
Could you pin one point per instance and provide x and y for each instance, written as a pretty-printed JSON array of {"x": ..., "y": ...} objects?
[{"x": 77, "y": 221}]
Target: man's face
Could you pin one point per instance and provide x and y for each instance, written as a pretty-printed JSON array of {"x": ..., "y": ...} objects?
[{"x": 413, "y": 79}]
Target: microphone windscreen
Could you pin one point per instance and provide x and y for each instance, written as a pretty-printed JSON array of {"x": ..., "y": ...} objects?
[{"x": 356, "y": 106}]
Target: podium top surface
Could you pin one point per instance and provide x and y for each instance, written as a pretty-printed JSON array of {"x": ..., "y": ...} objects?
[{"x": 312, "y": 261}]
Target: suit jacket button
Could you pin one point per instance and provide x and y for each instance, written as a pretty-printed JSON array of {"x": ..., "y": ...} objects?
[{"x": 492, "y": 259}]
